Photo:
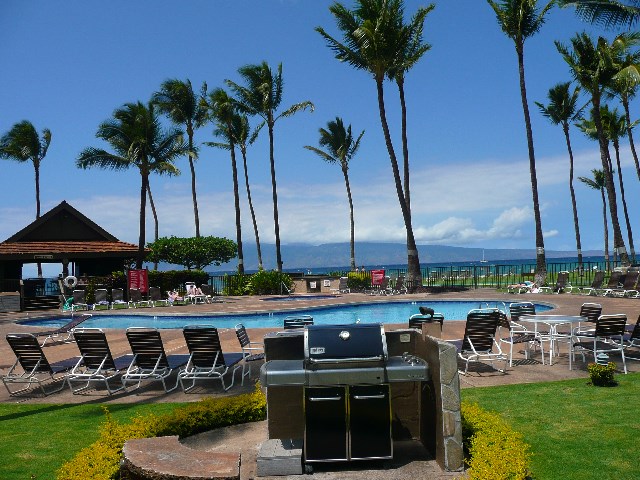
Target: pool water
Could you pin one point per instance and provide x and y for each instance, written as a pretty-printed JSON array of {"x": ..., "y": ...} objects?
[{"x": 380, "y": 312}]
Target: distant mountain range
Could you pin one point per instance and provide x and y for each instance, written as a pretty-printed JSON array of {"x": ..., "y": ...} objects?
[{"x": 309, "y": 257}]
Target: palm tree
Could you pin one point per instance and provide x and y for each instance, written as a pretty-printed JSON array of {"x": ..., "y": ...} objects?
[
  {"x": 340, "y": 149},
  {"x": 222, "y": 112},
  {"x": 616, "y": 128},
  {"x": 262, "y": 96},
  {"x": 592, "y": 66},
  {"x": 608, "y": 13},
  {"x": 22, "y": 143},
  {"x": 519, "y": 20},
  {"x": 138, "y": 141},
  {"x": 178, "y": 101},
  {"x": 372, "y": 34},
  {"x": 561, "y": 110},
  {"x": 244, "y": 137},
  {"x": 598, "y": 183},
  {"x": 625, "y": 83},
  {"x": 410, "y": 49}
]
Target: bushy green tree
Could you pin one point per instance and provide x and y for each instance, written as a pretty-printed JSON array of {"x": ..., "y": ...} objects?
[{"x": 193, "y": 252}]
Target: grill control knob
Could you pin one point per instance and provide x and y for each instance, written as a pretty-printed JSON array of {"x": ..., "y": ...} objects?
[{"x": 344, "y": 335}]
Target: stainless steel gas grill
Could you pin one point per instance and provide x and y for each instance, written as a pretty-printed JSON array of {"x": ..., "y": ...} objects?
[{"x": 345, "y": 375}]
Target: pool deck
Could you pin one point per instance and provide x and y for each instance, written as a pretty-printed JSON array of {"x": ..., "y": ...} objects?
[
  {"x": 248, "y": 438},
  {"x": 523, "y": 372}
]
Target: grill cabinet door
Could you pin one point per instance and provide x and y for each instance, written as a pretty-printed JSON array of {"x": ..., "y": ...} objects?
[
  {"x": 325, "y": 423},
  {"x": 370, "y": 421}
]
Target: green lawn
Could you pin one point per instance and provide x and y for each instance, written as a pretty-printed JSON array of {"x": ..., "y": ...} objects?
[
  {"x": 576, "y": 431},
  {"x": 37, "y": 439}
]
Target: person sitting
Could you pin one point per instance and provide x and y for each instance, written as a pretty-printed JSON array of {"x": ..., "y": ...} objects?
[{"x": 174, "y": 296}]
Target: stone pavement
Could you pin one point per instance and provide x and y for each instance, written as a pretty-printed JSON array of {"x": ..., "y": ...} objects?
[{"x": 247, "y": 439}]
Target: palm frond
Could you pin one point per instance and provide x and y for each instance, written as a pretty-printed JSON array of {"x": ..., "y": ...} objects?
[{"x": 606, "y": 13}]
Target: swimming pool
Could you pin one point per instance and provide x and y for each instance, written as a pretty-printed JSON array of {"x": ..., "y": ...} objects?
[{"x": 379, "y": 312}]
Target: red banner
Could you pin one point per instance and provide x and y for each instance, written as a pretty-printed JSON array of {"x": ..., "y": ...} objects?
[
  {"x": 377, "y": 277},
  {"x": 139, "y": 279}
]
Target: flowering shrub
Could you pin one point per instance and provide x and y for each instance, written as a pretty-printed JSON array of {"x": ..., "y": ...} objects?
[{"x": 602, "y": 375}]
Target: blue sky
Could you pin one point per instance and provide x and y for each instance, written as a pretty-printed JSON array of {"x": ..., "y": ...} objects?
[{"x": 68, "y": 65}]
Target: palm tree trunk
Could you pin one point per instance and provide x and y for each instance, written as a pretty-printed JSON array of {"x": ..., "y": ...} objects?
[
  {"x": 625, "y": 104},
  {"x": 606, "y": 232},
  {"x": 253, "y": 213},
  {"x": 414, "y": 277},
  {"x": 345, "y": 172},
  {"x": 576, "y": 224},
  {"x": 155, "y": 219},
  {"x": 541, "y": 264},
  {"x": 236, "y": 200},
  {"x": 274, "y": 191},
  {"x": 632, "y": 249},
  {"x": 193, "y": 181},
  {"x": 143, "y": 207},
  {"x": 405, "y": 143},
  {"x": 618, "y": 241},
  {"x": 36, "y": 167}
]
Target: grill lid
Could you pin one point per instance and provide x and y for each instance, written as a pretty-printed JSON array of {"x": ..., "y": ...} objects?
[{"x": 345, "y": 343}]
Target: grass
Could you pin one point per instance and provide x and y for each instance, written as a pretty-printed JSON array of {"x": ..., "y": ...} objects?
[
  {"x": 38, "y": 439},
  {"x": 576, "y": 431}
]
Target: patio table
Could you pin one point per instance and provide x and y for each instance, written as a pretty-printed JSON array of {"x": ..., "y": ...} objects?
[{"x": 553, "y": 321}]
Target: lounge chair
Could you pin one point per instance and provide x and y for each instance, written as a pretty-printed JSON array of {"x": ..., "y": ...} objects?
[
  {"x": 596, "y": 284},
  {"x": 117, "y": 299},
  {"x": 251, "y": 351},
  {"x": 79, "y": 301},
  {"x": 562, "y": 282},
  {"x": 399, "y": 288},
  {"x": 615, "y": 282},
  {"x": 150, "y": 362},
  {"x": 210, "y": 293},
  {"x": 607, "y": 338},
  {"x": 155, "y": 297},
  {"x": 32, "y": 367},
  {"x": 96, "y": 364},
  {"x": 67, "y": 329},
  {"x": 479, "y": 343},
  {"x": 297, "y": 321},
  {"x": 343, "y": 286},
  {"x": 136, "y": 300},
  {"x": 206, "y": 360},
  {"x": 101, "y": 301},
  {"x": 629, "y": 286},
  {"x": 194, "y": 297}
]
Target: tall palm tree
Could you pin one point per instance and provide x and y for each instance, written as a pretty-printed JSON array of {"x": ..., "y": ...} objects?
[
  {"x": 371, "y": 34},
  {"x": 222, "y": 112},
  {"x": 262, "y": 96},
  {"x": 562, "y": 109},
  {"x": 519, "y": 20},
  {"x": 177, "y": 100},
  {"x": 22, "y": 143},
  {"x": 616, "y": 128},
  {"x": 340, "y": 149},
  {"x": 410, "y": 49},
  {"x": 598, "y": 183},
  {"x": 608, "y": 13},
  {"x": 625, "y": 82},
  {"x": 245, "y": 137},
  {"x": 592, "y": 66},
  {"x": 138, "y": 141}
]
